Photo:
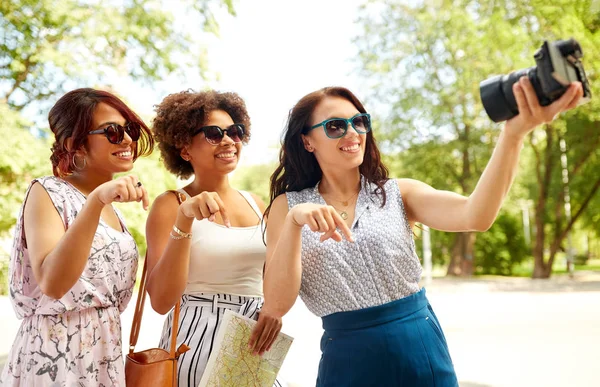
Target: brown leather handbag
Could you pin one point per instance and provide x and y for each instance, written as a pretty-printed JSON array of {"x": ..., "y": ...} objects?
[{"x": 152, "y": 367}]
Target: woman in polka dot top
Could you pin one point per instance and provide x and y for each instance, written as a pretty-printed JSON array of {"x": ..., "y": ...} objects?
[{"x": 339, "y": 234}]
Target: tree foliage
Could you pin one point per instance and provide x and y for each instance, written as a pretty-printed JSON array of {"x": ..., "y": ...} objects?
[
  {"x": 48, "y": 46},
  {"x": 255, "y": 179},
  {"x": 423, "y": 62},
  {"x": 22, "y": 158},
  {"x": 156, "y": 180}
]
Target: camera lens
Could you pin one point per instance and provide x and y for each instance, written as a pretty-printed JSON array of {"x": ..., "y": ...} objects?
[{"x": 497, "y": 96}]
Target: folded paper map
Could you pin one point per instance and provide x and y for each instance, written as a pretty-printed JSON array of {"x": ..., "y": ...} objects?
[{"x": 232, "y": 364}]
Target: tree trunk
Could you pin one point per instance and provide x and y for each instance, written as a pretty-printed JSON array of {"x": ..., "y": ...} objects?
[
  {"x": 461, "y": 261},
  {"x": 540, "y": 268}
]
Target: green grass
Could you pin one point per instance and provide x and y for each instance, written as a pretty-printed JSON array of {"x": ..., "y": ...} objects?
[
  {"x": 526, "y": 268},
  {"x": 559, "y": 267}
]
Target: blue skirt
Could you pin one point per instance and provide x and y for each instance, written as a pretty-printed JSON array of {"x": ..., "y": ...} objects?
[{"x": 399, "y": 343}]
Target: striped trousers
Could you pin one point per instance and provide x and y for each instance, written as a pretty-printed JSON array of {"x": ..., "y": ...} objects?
[{"x": 199, "y": 322}]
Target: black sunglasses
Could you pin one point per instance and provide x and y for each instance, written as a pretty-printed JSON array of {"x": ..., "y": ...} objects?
[
  {"x": 337, "y": 127},
  {"x": 115, "y": 133},
  {"x": 214, "y": 134}
]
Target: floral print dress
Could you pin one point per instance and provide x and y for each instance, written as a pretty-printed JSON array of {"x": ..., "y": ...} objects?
[{"x": 76, "y": 340}]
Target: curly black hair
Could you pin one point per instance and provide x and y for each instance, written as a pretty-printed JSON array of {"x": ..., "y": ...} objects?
[{"x": 179, "y": 114}]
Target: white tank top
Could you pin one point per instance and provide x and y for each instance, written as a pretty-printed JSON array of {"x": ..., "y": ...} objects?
[{"x": 226, "y": 260}]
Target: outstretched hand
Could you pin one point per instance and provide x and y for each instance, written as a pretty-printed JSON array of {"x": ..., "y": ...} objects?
[{"x": 531, "y": 113}]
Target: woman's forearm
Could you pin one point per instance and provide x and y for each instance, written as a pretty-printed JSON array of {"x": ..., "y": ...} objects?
[
  {"x": 284, "y": 270},
  {"x": 62, "y": 267},
  {"x": 168, "y": 278},
  {"x": 486, "y": 200}
]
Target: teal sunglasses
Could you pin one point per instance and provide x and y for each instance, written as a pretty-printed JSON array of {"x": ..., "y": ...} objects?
[{"x": 337, "y": 127}]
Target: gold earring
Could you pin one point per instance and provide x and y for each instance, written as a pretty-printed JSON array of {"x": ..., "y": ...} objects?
[{"x": 77, "y": 167}]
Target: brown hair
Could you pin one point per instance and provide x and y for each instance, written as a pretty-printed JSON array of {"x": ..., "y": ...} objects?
[
  {"x": 72, "y": 116},
  {"x": 298, "y": 169},
  {"x": 179, "y": 114}
]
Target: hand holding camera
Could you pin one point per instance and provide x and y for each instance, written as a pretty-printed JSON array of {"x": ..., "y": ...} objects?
[
  {"x": 533, "y": 96},
  {"x": 532, "y": 113}
]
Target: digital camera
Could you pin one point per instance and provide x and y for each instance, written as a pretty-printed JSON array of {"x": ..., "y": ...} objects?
[{"x": 557, "y": 65}]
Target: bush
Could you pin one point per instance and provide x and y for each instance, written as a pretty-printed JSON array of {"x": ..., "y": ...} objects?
[
  {"x": 3, "y": 275},
  {"x": 502, "y": 247},
  {"x": 581, "y": 259}
]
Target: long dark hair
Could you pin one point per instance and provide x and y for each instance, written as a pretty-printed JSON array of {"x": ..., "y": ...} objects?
[
  {"x": 72, "y": 116},
  {"x": 298, "y": 169}
]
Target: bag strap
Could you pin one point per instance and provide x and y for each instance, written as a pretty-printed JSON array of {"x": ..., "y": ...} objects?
[{"x": 141, "y": 299}]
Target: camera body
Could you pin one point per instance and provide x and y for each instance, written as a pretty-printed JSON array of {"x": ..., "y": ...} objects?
[{"x": 558, "y": 64}]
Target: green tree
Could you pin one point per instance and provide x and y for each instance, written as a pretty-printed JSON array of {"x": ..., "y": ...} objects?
[
  {"x": 22, "y": 158},
  {"x": 424, "y": 61},
  {"x": 156, "y": 180},
  {"x": 578, "y": 130},
  {"x": 48, "y": 45},
  {"x": 583, "y": 148},
  {"x": 255, "y": 179}
]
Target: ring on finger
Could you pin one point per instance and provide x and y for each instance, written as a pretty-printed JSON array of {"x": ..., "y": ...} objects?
[{"x": 139, "y": 184}]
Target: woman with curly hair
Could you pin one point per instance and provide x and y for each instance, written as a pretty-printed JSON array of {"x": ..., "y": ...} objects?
[
  {"x": 206, "y": 252},
  {"x": 73, "y": 263},
  {"x": 339, "y": 234}
]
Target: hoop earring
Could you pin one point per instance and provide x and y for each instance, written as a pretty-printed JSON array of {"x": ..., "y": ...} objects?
[{"x": 77, "y": 167}]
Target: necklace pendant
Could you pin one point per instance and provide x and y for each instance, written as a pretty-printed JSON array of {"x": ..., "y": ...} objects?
[{"x": 344, "y": 215}]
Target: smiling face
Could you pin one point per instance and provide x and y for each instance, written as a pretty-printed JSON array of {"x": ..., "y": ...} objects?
[
  {"x": 101, "y": 156},
  {"x": 346, "y": 152},
  {"x": 204, "y": 156}
]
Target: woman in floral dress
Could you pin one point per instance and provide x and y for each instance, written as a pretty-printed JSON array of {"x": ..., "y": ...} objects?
[{"x": 73, "y": 262}]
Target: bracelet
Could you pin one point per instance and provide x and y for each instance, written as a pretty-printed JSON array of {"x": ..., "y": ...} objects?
[
  {"x": 182, "y": 234},
  {"x": 177, "y": 237}
]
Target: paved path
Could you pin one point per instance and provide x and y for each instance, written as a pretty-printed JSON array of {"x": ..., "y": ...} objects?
[{"x": 501, "y": 331}]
